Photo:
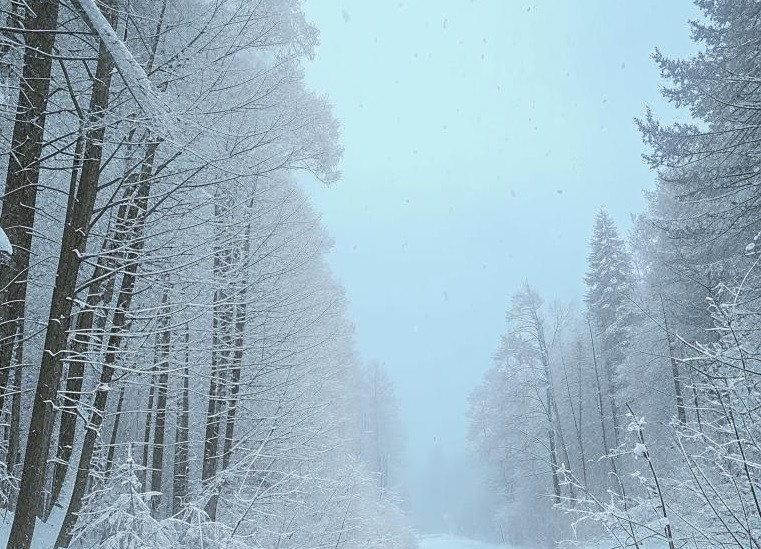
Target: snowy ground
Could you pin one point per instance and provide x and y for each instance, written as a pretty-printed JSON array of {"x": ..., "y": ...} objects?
[
  {"x": 444, "y": 541},
  {"x": 44, "y": 534}
]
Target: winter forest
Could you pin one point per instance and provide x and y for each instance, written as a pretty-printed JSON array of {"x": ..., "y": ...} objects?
[{"x": 205, "y": 344}]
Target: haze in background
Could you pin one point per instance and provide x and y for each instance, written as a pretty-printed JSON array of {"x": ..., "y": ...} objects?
[{"x": 480, "y": 139}]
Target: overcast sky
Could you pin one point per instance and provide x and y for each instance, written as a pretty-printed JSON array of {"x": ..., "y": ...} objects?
[{"x": 481, "y": 136}]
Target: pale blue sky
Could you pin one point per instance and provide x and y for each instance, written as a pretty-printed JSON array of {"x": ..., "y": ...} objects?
[{"x": 480, "y": 138}]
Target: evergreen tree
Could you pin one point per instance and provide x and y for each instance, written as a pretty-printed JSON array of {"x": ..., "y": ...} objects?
[
  {"x": 608, "y": 298},
  {"x": 707, "y": 201},
  {"x": 118, "y": 515}
]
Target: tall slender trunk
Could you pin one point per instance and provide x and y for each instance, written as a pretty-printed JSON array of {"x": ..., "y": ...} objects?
[
  {"x": 552, "y": 426},
  {"x": 118, "y": 328},
  {"x": 181, "y": 437},
  {"x": 222, "y": 321},
  {"x": 232, "y": 399},
  {"x": 163, "y": 341},
  {"x": 146, "y": 466},
  {"x": 20, "y": 196},
  {"x": 114, "y": 433},
  {"x": 580, "y": 424},
  {"x": 237, "y": 361},
  {"x": 68, "y": 415},
  {"x": 100, "y": 290},
  {"x": 99, "y": 404},
  {"x": 15, "y": 420},
  {"x": 561, "y": 438},
  {"x": 681, "y": 414},
  {"x": 696, "y": 404},
  {"x": 553, "y": 459},
  {"x": 600, "y": 407},
  {"x": 611, "y": 385},
  {"x": 73, "y": 245}
]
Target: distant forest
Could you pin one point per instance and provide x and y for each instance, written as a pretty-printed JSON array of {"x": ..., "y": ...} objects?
[{"x": 636, "y": 420}]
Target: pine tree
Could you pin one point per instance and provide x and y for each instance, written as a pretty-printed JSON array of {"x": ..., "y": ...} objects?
[
  {"x": 608, "y": 298},
  {"x": 119, "y": 516},
  {"x": 707, "y": 202}
]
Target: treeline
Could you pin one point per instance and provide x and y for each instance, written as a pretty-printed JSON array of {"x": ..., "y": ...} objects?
[
  {"x": 637, "y": 420},
  {"x": 176, "y": 363}
]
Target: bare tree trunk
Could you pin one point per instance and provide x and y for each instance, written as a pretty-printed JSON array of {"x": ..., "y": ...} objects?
[
  {"x": 610, "y": 381},
  {"x": 580, "y": 425},
  {"x": 73, "y": 244},
  {"x": 552, "y": 427},
  {"x": 147, "y": 431},
  {"x": 235, "y": 387},
  {"x": 105, "y": 269},
  {"x": 222, "y": 323},
  {"x": 181, "y": 437},
  {"x": 15, "y": 421},
  {"x": 99, "y": 405},
  {"x": 553, "y": 459},
  {"x": 117, "y": 331},
  {"x": 600, "y": 407},
  {"x": 681, "y": 414},
  {"x": 662, "y": 506},
  {"x": 696, "y": 404},
  {"x": 20, "y": 197},
  {"x": 98, "y": 293},
  {"x": 563, "y": 446},
  {"x": 114, "y": 433},
  {"x": 240, "y": 328},
  {"x": 163, "y": 340}
]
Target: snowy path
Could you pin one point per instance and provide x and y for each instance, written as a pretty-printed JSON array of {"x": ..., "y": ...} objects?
[{"x": 444, "y": 541}]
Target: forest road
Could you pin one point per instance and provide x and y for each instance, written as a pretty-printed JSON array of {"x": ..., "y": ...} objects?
[{"x": 446, "y": 541}]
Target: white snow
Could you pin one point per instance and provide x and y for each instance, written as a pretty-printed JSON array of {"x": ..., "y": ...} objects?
[
  {"x": 445, "y": 541},
  {"x": 639, "y": 450},
  {"x": 44, "y": 533},
  {"x": 5, "y": 244},
  {"x": 151, "y": 101}
]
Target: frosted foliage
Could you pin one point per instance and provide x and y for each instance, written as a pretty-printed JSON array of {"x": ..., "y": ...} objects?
[{"x": 181, "y": 365}]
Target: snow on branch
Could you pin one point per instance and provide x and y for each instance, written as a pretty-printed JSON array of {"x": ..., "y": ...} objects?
[
  {"x": 5, "y": 244},
  {"x": 153, "y": 103}
]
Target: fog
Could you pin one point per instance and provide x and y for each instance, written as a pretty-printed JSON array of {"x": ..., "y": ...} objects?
[
  {"x": 480, "y": 139},
  {"x": 445, "y": 274}
]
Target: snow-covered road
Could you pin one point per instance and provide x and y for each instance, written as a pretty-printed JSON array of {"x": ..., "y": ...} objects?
[{"x": 444, "y": 541}]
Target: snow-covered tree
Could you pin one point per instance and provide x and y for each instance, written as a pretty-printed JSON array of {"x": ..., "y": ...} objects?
[{"x": 608, "y": 299}]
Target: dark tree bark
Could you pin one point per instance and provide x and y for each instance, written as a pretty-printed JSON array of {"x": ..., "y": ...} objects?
[
  {"x": 237, "y": 359},
  {"x": 681, "y": 413},
  {"x": 163, "y": 341},
  {"x": 118, "y": 329},
  {"x": 222, "y": 325},
  {"x": 114, "y": 432},
  {"x": 147, "y": 430},
  {"x": 73, "y": 244},
  {"x": 17, "y": 217},
  {"x": 181, "y": 437},
  {"x": 100, "y": 292},
  {"x": 99, "y": 405}
]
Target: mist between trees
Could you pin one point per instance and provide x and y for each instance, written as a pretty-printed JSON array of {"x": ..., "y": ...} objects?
[
  {"x": 633, "y": 421},
  {"x": 176, "y": 363},
  {"x": 177, "y": 366}
]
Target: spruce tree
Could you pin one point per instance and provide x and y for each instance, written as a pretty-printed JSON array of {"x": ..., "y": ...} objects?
[
  {"x": 707, "y": 201},
  {"x": 608, "y": 297}
]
